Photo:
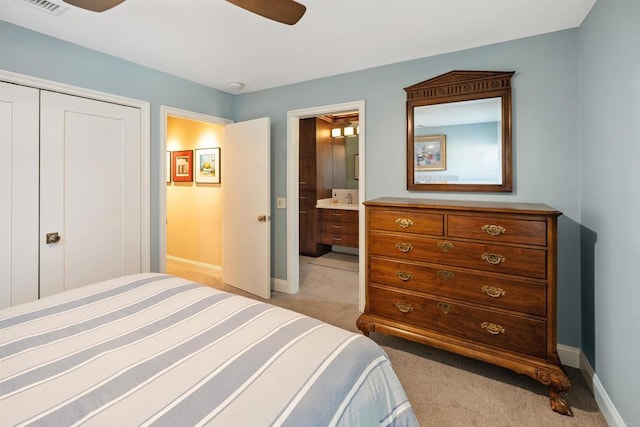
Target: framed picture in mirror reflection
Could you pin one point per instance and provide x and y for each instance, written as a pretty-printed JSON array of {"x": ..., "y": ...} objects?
[{"x": 430, "y": 153}]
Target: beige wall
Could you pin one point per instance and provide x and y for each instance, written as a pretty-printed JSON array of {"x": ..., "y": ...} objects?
[{"x": 194, "y": 211}]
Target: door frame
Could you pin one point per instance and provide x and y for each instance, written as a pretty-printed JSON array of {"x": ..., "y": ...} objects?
[
  {"x": 165, "y": 112},
  {"x": 293, "y": 151},
  {"x": 145, "y": 135}
]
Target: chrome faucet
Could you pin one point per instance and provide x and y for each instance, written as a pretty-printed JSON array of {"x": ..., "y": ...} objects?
[{"x": 349, "y": 198}]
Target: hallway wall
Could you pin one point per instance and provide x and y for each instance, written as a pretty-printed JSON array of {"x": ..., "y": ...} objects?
[{"x": 194, "y": 210}]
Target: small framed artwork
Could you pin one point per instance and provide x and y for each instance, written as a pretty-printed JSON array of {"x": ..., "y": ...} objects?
[
  {"x": 182, "y": 166},
  {"x": 208, "y": 165},
  {"x": 430, "y": 153},
  {"x": 167, "y": 171}
]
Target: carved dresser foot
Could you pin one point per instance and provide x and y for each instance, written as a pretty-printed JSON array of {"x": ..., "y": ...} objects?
[
  {"x": 558, "y": 383},
  {"x": 365, "y": 326}
]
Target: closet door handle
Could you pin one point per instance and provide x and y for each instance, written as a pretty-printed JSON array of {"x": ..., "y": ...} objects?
[{"x": 52, "y": 238}]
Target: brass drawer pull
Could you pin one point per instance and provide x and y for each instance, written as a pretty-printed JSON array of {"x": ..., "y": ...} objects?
[
  {"x": 446, "y": 308},
  {"x": 492, "y": 328},
  {"x": 404, "y": 247},
  {"x": 303, "y": 212},
  {"x": 336, "y": 226},
  {"x": 493, "y": 230},
  {"x": 338, "y": 239},
  {"x": 493, "y": 258},
  {"x": 336, "y": 214},
  {"x": 403, "y": 307},
  {"x": 404, "y": 276},
  {"x": 493, "y": 292},
  {"x": 445, "y": 246},
  {"x": 404, "y": 222},
  {"x": 303, "y": 197},
  {"x": 446, "y": 275}
]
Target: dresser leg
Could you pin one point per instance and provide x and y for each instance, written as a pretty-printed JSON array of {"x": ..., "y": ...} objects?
[
  {"x": 365, "y": 326},
  {"x": 558, "y": 383}
]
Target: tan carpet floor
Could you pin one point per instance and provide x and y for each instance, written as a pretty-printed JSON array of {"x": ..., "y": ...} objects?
[{"x": 445, "y": 389}]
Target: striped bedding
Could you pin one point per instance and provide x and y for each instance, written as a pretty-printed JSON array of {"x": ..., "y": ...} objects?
[{"x": 153, "y": 349}]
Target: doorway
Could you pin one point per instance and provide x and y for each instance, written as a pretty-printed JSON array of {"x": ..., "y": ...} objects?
[
  {"x": 247, "y": 145},
  {"x": 293, "y": 151},
  {"x": 188, "y": 253}
]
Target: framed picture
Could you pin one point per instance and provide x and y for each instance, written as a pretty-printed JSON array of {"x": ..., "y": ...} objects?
[
  {"x": 430, "y": 153},
  {"x": 182, "y": 166},
  {"x": 207, "y": 168},
  {"x": 167, "y": 171}
]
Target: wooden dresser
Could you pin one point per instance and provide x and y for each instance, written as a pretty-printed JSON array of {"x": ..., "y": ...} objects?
[{"x": 474, "y": 278}]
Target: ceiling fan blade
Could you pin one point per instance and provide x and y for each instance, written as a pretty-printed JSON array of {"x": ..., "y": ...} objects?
[
  {"x": 94, "y": 5},
  {"x": 286, "y": 11}
]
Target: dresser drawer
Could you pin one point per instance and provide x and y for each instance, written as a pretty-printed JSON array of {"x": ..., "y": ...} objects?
[
  {"x": 494, "y": 258},
  {"x": 491, "y": 327},
  {"x": 510, "y": 294},
  {"x": 407, "y": 222},
  {"x": 340, "y": 215},
  {"x": 497, "y": 229}
]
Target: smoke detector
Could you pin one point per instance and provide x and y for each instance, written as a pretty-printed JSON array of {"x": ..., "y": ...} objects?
[{"x": 236, "y": 85}]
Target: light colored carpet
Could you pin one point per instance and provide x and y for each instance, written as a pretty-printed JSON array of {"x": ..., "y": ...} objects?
[
  {"x": 334, "y": 260},
  {"x": 445, "y": 389}
]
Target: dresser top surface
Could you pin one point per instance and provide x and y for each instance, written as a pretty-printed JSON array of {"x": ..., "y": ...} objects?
[{"x": 465, "y": 205}]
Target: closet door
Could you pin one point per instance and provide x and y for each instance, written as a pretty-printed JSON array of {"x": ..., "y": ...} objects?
[
  {"x": 19, "y": 127},
  {"x": 90, "y": 191}
]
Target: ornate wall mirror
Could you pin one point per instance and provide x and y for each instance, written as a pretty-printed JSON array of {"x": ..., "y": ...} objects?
[{"x": 459, "y": 132}]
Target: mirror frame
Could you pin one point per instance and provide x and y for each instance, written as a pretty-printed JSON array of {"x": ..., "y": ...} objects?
[{"x": 456, "y": 86}]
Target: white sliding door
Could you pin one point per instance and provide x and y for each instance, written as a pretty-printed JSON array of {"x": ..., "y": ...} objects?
[
  {"x": 19, "y": 126},
  {"x": 90, "y": 191}
]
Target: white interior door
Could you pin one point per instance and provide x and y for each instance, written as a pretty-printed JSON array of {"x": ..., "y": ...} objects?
[
  {"x": 90, "y": 191},
  {"x": 19, "y": 129},
  {"x": 246, "y": 183}
]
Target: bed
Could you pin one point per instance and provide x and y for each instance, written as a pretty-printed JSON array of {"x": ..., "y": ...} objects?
[{"x": 153, "y": 349}]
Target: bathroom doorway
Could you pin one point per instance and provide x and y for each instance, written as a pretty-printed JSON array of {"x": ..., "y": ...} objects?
[{"x": 293, "y": 190}]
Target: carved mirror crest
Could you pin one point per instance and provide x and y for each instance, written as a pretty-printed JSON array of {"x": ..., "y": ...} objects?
[{"x": 459, "y": 132}]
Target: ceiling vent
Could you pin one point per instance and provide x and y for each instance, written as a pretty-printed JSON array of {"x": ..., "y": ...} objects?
[{"x": 46, "y": 6}]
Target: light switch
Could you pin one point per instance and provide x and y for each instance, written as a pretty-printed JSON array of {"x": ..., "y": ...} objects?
[{"x": 281, "y": 203}]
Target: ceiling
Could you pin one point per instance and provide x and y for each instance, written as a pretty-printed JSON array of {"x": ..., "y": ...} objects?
[{"x": 214, "y": 43}]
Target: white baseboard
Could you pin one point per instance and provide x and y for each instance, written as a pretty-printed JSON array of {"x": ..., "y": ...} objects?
[
  {"x": 280, "y": 285},
  {"x": 608, "y": 409},
  {"x": 575, "y": 358},
  {"x": 201, "y": 267},
  {"x": 569, "y": 356}
]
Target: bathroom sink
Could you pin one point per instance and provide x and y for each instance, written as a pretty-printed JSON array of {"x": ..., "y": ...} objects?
[{"x": 328, "y": 204}]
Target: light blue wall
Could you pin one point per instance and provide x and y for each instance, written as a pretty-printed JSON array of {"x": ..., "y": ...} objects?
[
  {"x": 27, "y": 52},
  {"x": 545, "y": 137},
  {"x": 576, "y": 125},
  {"x": 610, "y": 198},
  {"x": 472, "y": 153}
]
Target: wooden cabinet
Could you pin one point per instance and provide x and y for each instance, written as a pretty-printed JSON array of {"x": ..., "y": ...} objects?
[
  {"x": 315, "y": 181},
  {"x": 477, "y": 279},
  {"x": 338, "y": 227}
]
